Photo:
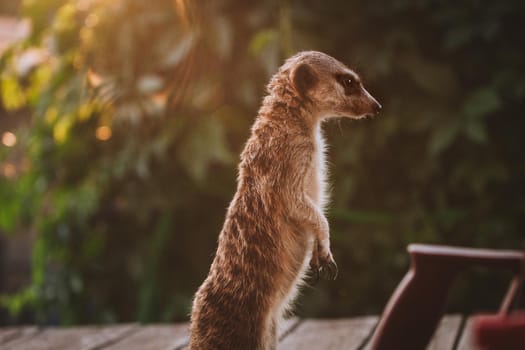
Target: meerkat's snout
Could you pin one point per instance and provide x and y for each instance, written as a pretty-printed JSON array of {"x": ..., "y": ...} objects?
[
  {"x": 356, "y": 102},
  {"x": 375, "y": 106}
]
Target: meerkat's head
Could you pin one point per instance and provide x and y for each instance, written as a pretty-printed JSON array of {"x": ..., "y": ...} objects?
[{"x": 334, "y": 89}]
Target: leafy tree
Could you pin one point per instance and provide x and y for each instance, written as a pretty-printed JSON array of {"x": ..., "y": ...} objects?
[{"x": 138, "y": 111}]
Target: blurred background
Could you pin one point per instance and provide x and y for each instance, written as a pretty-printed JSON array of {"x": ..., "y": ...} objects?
[{"x": 121, "y": 123}]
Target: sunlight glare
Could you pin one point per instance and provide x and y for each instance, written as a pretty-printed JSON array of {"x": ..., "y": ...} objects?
[
  {"x": 103, "y": 133},
  {"x": 94, "y": 80},
  {"x": 8, "y": 139},
  {"x": 9, "y": 170}
]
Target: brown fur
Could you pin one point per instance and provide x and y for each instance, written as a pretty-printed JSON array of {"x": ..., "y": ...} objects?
[{"x": 275, "y": 223}]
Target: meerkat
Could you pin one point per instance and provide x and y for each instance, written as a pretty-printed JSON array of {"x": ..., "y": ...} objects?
[{"x": 275, "y": 227}]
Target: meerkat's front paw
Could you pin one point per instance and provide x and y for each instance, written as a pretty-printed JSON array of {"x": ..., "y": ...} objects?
[
  {"x": 322, "y": 263},
  {"x": 328, "y": 267}
]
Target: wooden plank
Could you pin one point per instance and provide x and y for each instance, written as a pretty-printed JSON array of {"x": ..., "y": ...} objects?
[
  {"x": 446, "y": 333},
  {"x": 10, "y": 334},
  {"x": 154, "y": 337},
  {"x": 466, "y": 342},
  {"x": 330, "y": 334},
  {"x": 81, "y": 338},
  {"x": 285, "y": 328},
  {"x": 293, "y": 334}
]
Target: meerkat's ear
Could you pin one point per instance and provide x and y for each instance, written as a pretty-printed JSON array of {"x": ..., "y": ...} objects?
[{"x": 304, "y": 78}]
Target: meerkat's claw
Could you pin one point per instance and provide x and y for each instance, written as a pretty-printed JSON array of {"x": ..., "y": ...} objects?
[
  {"x": 315, "y": 276},
  {"x": 314, "y": 260},
  {"x": 314, "y": 264},
  {"x": 334, "y": 271},
  {"x": 328, "y": 267},
  {"x": 322, "y": 264}
]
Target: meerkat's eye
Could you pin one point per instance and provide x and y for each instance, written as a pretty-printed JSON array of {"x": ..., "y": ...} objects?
[{"x": 347, "y": 82}]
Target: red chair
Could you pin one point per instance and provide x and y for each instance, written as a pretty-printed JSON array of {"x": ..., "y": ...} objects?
[{"x": 418, "y": 303}]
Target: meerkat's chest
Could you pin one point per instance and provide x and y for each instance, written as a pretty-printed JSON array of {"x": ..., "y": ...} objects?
[{"x": 316, "y": 177}]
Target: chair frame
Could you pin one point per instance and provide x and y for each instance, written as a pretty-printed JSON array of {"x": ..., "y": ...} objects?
[{"x": 418, "y": 303}]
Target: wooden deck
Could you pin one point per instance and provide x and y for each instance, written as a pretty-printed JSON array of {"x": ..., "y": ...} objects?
[{"x": 352, "y": 333}]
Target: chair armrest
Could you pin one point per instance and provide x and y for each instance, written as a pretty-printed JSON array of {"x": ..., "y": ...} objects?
[{"x": 468, "y": 257}]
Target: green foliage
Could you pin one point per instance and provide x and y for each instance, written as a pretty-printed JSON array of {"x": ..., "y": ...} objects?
[{"x": 140, "y": 109}]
